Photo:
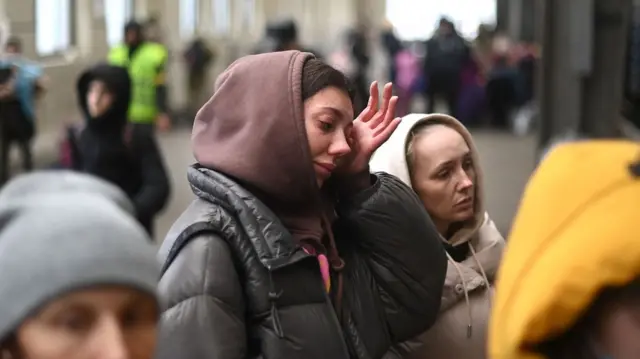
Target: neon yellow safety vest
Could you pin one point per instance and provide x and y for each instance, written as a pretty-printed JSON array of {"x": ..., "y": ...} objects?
[{"x": 143, "y": 69}]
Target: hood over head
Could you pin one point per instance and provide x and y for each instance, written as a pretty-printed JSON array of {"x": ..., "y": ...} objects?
[
  {"x": 391, "y": 157},
  {"x": 118, "y": 82},
  {"x": 574, "y": 235},
  {"x": 252, "y": 129},
  {"x": 67, "y": 234},
  {"x": 133, "y": 26}
]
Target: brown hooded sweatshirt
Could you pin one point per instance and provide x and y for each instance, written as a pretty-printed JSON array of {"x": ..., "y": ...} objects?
[
  {"x": 266, "y": 135},
  {"x": 252, "y": 129}
]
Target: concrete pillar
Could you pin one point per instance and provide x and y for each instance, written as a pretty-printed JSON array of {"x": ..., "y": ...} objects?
[
  {"x": 140, "y": 9},
  {"x": 5, "y": 26},
  {"x": 160, "y": 8},
  {"x": 269, "y": 9},
  {"x": 604, "y": 88},
  {"x": 259, "y": 19},
  {"x": 205, "y": 19},
  {"x": 371, "y": 12},
  {"x": 527, "y": 30},
  {"x": 22, "y": 23},
  {"x": 514, "y": 21},
  {"x": 248, "y": 20},
  {"x": 168, "y": 13},
  {"x": 580, "y": 76},
  {"x": 90, "y": 27},
  {"x": 313, "y": 24},
  {"x": 519, "y": 24},
  {"x": 502, "y": 14}
]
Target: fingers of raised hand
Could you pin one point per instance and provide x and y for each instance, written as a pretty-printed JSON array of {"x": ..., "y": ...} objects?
[
  {"x": 384, "y": 132},
  {"x": 381, "y": 113},
  {"x": 386, "y": 118},
  {"x": 387, "y": 94},
  {"x": 372, "y": 106}
]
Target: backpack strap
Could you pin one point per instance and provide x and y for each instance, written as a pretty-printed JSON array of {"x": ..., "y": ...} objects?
[
  {"x": 184, "y": 237},
  {"x": 277, "y": 286}
]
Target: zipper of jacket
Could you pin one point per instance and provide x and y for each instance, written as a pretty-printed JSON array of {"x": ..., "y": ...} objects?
[{"x": 336, "y": 321}]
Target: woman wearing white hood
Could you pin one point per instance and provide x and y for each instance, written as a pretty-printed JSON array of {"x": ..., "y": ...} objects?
[{"x": 436, "y": 156}]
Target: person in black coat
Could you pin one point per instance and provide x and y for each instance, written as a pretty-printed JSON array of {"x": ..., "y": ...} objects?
[
  {"x": 292, "y": 249},
  {"x": 282, "y": 35},
  {"x": 447, "y": 54},
  {"x": 357, "y": 41},
  {"x": 105, "y": 146}
]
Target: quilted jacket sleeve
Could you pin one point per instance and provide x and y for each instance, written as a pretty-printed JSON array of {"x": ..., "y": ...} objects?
[
  {"x": 204, "y": 313},
  {"x": 398, "y": 241}
]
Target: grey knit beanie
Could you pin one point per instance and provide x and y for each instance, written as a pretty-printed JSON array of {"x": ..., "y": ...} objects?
[
  {"x": 56, "y": 238},
  {"x": 58, "y": 182}
]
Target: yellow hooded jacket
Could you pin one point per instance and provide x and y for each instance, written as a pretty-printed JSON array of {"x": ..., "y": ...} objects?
[{"x": 575, "y": 234}]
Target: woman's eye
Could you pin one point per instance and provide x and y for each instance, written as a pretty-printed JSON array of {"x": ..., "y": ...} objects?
[
  {"x": 326, "y": 126},
  {"x": 443, "y": 174}
]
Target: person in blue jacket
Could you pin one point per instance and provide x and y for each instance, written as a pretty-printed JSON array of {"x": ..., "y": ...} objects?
[{"x": 21, "y": 83}]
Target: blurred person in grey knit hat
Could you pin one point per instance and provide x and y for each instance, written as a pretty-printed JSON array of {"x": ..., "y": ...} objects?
[{"x": 78, "y": 272}]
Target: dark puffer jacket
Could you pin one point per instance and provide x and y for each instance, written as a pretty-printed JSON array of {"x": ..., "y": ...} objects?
[
  {"x": 238, "y": 286},
  {"x": 106, "y": 148}
]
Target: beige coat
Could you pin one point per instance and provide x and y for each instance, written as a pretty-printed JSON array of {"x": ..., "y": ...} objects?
[{"x": 461, "y": 330}]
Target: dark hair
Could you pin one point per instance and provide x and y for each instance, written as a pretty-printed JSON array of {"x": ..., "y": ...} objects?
[
  {"x": 634, "y": 169},
  {"x": 316, "y": 76},
  {"x": 133, "y": 25},
  {"x": 283, "y": 31},
  {"x": 445, "y": 21},
  {"x": 575, "y": 342},
  {"x": 15, "y": 43}
]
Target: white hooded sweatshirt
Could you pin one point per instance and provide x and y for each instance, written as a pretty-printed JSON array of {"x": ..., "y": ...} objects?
[{"x": 461, "y": 330}]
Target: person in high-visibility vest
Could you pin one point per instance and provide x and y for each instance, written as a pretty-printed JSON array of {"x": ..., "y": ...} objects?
[{"x": 146, "y": 62}]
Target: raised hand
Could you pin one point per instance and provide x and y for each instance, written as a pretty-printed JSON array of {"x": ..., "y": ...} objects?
[{"x": 371, "y": 128}]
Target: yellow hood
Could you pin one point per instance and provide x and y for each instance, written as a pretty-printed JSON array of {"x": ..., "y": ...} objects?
[{"x": 575, "y": 234}]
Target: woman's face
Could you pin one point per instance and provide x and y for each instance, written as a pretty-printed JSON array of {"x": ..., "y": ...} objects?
[
  {"x": 111, "y": 322},
  {"x": 444, "y": 175},
  {"x": 99, "y": 99},
  {"x": 328, "y": 117}
]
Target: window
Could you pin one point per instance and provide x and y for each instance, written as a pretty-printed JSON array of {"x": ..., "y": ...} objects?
[
  {"x": 189, "y": 10},
  {"x": 221, "y": 16},
  {"x": 116, "y": 14},
  {"x": 53, "y": 20}
]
